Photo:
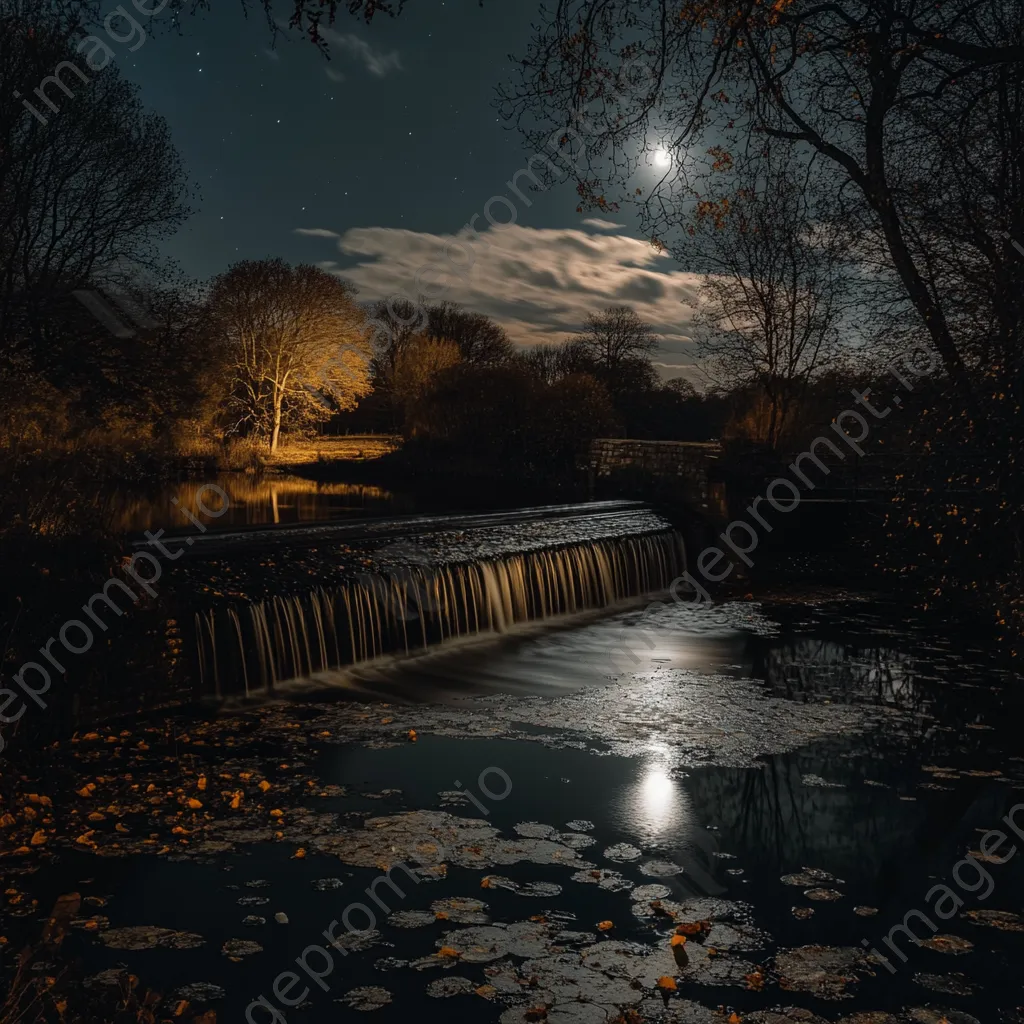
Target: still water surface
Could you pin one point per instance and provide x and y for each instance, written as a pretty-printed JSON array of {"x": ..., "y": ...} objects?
[
  {"x": 651, "y": 755},
  {"x": 254, "y": 500}
]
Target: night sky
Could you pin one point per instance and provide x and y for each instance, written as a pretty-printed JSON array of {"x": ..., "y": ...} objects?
[{"x": 369, "y": 162}]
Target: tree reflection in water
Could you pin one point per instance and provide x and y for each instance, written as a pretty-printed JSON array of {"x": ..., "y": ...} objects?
[{"x": 256, "y": 500}]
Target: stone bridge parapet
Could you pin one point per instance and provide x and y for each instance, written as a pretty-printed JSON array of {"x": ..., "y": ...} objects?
[{"x": 680, "y": 469}]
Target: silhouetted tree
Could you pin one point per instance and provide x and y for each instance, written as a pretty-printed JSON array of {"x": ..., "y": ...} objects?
[
  {"x": 89, "y": 182},
  {"x": 478, "y": 338},
  {"x": 772, "y": 302},
  {"x": 416, "y": 369},
  {"x": 615, "y": 335},
  {"x": 618, "y": 80}
]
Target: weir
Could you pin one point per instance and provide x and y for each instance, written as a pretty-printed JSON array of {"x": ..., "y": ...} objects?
[{"x": 251, "y": 647}]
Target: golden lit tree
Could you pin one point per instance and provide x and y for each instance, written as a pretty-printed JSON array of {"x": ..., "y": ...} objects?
[{"x": 298, "y": 350}]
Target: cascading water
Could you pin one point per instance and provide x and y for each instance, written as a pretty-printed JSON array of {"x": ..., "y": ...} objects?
[{"x": 248, "y": 648}]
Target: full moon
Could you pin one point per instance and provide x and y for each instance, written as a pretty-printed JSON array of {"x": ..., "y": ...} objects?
[{"x": 662, "y": 158}]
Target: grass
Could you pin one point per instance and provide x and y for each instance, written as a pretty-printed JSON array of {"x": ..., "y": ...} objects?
[{"x": 349, "y": 448}]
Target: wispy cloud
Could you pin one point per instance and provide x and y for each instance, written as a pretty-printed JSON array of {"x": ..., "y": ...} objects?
[
  {"x": 539, "y": 283},
  {"x": 602, "y": 225},
  {"x": 333, "y": 75},
  {"x": 375, "y": 61}
]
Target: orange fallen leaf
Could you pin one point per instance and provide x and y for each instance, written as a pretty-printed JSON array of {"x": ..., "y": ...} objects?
[
  {"x": 264, "y": 785},
  {"x": 692, "y": 927},
  {"x": 448, "y": 952},
  {"x": 678, "y": 940},
  {"x": 38, "y": 838},
  {"x": 277, "y": 813},
  {"x": 201, "y": 783},
  {"x": 667, "y": 983},
  {"x": 194, "y": 804},
  {"x": 412, "y": 735},
  {"x": 299, "y": 853},
  {"x": 605, "y": 926}
]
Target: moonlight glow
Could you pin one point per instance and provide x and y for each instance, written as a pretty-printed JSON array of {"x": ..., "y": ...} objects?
[{"x": 662, "y": 158}]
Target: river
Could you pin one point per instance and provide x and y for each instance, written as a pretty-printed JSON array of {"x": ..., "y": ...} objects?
[{"x": 779, "y": 781}]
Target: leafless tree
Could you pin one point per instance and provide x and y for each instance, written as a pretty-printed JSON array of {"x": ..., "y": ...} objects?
[
  {"x": 648, "y": 102},
  {"x": 614, "y": 336},
  {"x": 777, "y": 287},
  {"x": 87, "y": 188},
  {"x": 479, "y": 339},
  {"x": 296, "y": 337}
]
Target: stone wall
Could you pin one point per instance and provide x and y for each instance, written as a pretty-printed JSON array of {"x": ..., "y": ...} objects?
[{"x": 681, "y": 468}]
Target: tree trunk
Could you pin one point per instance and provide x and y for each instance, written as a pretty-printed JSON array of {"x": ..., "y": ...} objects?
[{"x": 275, "y": 433}]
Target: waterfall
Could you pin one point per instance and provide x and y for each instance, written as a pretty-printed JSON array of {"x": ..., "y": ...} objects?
[{"x": 248, "y": 648}]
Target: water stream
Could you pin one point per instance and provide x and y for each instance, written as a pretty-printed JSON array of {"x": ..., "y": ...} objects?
[{"x": 253, "y": 647}]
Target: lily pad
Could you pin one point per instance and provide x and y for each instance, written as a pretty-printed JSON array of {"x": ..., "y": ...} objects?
[
  {"x": 660, "y": 868},
  {"x": 411, "y": 918},
  {"x": 947, "y": 984},
  {"x": 544, "y": 890},
  {"x": 444, "y": 988},
  {"x": 653, "y": 891},
  {"x": 240, "y": 947},
  {"x": 534, "y": 830},
  {"x": 1004, "y": 920},
  {"x": 808, "y": 877},
  {"x": 951, "y": 944},
  {"x": 822, "y": 971},
  {"x": 613, "y": 881},
  {"x": 622, "y": 852},
  {"x": 366, "y": 998},
  {"x": 462, "y": 910},
  {"x": 143, "y": 936},
  {"x": 823, "y": 895},
  {"x": 927, "y": 1015},
  {"x": 200, "y": 992}
]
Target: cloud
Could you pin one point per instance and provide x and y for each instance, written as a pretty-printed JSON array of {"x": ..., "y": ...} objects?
[
  {"x": 602, "y": 225},
  {"x": 539, "y": 283},
  {"x": 375, "y": 61},
  {"x": 334, "y": 76}
]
